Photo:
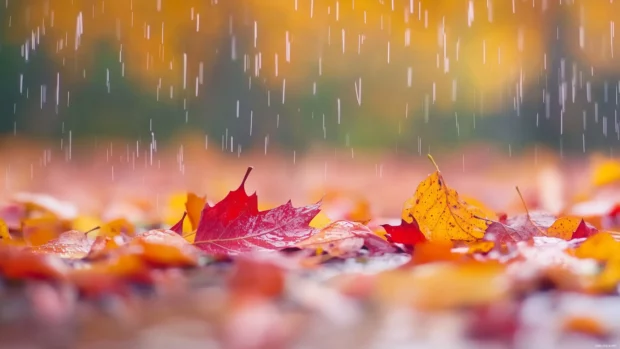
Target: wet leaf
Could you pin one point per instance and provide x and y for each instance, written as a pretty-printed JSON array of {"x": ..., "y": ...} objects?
[
  {"x": 19, "y": 263},
  {"x": 72, "y": 244},
  {"x": 234, "y": 225},
  {"x": 520, "y": 228},
  {"x": 345, "y": 239},
  {"x": 441, "y": 214}
]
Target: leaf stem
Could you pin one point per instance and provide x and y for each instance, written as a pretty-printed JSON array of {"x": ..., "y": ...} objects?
[
  {"x": 523, "y": 202},
  {"x": 430, "y": 157}
]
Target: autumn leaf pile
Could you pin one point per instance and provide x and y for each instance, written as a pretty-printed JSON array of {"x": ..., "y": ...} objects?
[{"x": 447, "y": 253}]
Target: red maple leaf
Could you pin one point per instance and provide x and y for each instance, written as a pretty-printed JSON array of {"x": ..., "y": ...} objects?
[
  {"x": 584, "y": 230},
  {"x": 178, "y": 228},
  {"x": 234, "y": 225},
  {"x": 406, "y": 233}
]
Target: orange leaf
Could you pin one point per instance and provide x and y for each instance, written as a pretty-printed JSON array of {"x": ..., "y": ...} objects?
[
  {"x": 585, "y": 325},
  {"x": 430, "y": 252},
  {"x": 193, "y": 207},
  {"x": 38, "y": 231}
]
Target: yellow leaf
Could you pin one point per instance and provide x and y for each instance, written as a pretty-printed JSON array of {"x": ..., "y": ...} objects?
[
  {"x": 4, "y": 231},
  {"x": 601, "y": 246},
  {"x": 443, "y": 285},
  {"x": 564, "y": 227},
  {"x": 116, "y": 227},
  {"x": 606, "y": 173},
  {"x": 441, "y": 214},
  {"x": 481, "y": 247},
  {"x": 86, "y": 223},
  {"x": 320, "y": 221}
]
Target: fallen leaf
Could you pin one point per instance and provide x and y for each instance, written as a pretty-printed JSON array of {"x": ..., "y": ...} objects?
[
  {"x": 520, "y": 228},
  {"x": 407, "y": 233},
  {"x": 606, "y": 172},
  {"x": 601, "y": 246},
  {"x": 167, "y": 255},
  {"x": 117, "y": 227},
  {"x": 193, "y": 206},
  {"x": 431, "y": 252},
  {"x": 72, "y": 244},
  {"x": 441, "y": 215},
  {"x": 4, "y": 232},
  {"x": 38, "y": 231},
  {"x": 178, "y": 227},
  {"x": 19, "y": 263},
  {"x": 256, "y": 277},
  {"x": 481, "y": 247},
  {"x": 444, "y": 285},
  {"x": 345, "y": 239},
  {"x": 586, "y": 325},
  {"x": 234, "y": 225},
  {"x": 569, "y": 228}
]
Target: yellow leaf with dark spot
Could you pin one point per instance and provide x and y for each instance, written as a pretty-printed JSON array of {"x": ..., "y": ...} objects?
[
  {"x": 441, "y": 214},
  {"x": 564, "y": 227}
]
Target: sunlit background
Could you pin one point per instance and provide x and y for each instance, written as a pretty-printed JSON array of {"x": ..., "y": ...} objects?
[
  {"x": 395, "y": 74},
  {"x": 161, "y": 85}
]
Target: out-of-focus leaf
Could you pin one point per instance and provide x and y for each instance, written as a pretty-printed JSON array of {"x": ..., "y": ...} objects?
[{"x": 569, "y": 228}]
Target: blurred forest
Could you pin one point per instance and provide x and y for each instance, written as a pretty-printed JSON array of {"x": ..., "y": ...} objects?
[{"x": 404, "y": 74}]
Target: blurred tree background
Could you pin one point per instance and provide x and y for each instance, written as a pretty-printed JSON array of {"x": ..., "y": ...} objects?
[{"x": 368, "y": 74}]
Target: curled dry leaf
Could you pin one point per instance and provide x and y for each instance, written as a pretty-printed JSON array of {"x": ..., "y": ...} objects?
[
  {"x": 234, "y": 225},
  {"x": 345, "y": 239},
  {"x": 442, "y": 215}
]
